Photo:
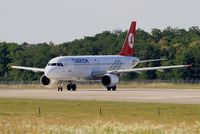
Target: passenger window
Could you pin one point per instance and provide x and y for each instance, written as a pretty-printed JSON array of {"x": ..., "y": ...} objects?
[{"x": 54, "y": 64}]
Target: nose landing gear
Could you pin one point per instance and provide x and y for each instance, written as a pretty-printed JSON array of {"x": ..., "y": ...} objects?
[{"x": 60, "y": 87}]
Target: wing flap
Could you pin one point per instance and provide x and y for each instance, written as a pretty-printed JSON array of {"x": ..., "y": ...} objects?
[{"x": 34, "y": 69}]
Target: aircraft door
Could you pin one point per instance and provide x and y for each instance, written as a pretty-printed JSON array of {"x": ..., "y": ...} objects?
[{"x": 95, "y": 64}]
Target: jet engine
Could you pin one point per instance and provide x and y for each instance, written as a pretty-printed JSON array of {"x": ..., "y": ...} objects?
[
  {"x": 109, "y": 80},
  {"x": 44, "y": 80}
]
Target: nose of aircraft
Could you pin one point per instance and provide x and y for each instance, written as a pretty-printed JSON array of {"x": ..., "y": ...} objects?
[{"x": 50, "y": 72}]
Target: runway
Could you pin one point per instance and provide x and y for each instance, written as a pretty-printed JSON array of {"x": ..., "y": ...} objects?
[{"x": 178, "y": 96}]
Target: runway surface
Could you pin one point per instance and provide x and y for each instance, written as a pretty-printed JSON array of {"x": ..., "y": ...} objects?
[{"x": 178, "y": 96}]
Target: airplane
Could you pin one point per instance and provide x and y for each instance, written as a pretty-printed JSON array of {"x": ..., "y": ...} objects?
[{"x": 106, "y": 68}]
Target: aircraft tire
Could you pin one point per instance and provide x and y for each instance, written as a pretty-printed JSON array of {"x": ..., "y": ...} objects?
[
  {"x": 73, "y": 87},
  {"x": 58, "y": 88},
  {"x": 69, "y": 87},
  {"x": 114, "y": 88},
  {"x": 108, "y": 88}
]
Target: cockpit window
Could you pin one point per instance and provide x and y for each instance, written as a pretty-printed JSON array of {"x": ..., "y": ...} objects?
[{"x": 59, "y": 64}]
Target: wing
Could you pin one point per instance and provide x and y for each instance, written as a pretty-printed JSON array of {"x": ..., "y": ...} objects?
[
  {"x": 34, "y": 69},
  {"x": 153, "y": 60},
  {"x": 147, "y": 69}
]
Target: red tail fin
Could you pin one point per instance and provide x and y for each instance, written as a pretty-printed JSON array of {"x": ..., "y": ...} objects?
[{"x": 128, "y": 46}]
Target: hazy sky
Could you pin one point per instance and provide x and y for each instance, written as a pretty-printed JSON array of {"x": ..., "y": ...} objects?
[{"x": 60, "y": 21}]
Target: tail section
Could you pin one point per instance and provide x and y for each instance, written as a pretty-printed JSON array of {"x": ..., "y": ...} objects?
[{"x": 128, "y": 46}]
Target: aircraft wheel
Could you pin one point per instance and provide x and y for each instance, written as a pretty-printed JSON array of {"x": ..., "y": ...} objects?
[
  {"x": 73, "y": 86},
  {"x": 114, "y": 88},
  {"x": 108, "y": 88},
  {"x": 69, "y": 87}
]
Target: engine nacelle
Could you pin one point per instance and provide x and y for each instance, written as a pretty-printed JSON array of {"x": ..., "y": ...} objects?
[
  {"x": 110, "y": 80},
  {"x": 44, "y": 80}
]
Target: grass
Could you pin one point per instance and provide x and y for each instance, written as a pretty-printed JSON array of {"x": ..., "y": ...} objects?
[{"x": 59, "y": 116}]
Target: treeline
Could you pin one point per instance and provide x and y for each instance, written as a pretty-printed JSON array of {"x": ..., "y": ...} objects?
[{"x": 178, "y": 46}]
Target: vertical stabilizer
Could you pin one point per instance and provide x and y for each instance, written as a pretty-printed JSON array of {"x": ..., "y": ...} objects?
[{"x": 128, "y": 46}]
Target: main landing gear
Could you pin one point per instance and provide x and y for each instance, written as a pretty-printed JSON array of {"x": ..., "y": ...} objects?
[
  {"x": 71, "y": 87},
  {"x": 112, "y": 88}
]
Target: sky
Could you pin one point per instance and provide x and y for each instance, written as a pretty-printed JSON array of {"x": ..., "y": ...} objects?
[{"x": 37, "y": 21}]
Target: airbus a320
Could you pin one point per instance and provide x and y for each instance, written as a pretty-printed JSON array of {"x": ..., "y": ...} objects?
[{"x": 106, "y": 68}]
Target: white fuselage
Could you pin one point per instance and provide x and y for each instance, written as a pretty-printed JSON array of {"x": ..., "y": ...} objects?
[{"x": 86, "y": 67}]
